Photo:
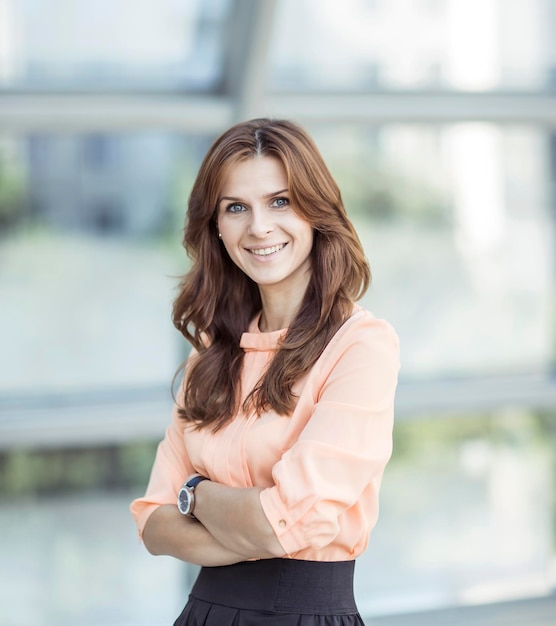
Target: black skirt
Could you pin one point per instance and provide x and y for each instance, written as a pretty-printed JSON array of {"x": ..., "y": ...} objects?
[{"x": 273, "y": 592}]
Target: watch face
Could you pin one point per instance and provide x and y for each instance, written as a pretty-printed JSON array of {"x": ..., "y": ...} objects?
[{"x": 184, "y": 500}]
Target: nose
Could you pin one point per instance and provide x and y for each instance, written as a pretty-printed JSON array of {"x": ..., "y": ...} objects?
[{"x": 260, "y": 224}]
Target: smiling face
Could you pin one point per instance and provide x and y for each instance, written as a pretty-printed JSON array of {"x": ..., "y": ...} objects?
[{"x": 261, "y": 231}]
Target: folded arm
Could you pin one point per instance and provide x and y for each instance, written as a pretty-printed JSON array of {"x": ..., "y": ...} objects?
[
  {"x": 231, "y": 528},
  {"x": 234, "y": 516},
  {"x": 339, "y": 456},
  {"x": 170, "y": 533}
]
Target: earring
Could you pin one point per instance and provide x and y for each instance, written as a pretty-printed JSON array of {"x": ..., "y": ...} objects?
[{"x": 219, "y": 235}]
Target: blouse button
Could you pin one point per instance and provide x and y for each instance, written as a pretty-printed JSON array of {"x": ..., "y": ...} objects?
[{"x": 282, "y": 523}]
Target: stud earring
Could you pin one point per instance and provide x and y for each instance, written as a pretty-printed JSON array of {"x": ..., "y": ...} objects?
[{"x": 219, "y": 235}]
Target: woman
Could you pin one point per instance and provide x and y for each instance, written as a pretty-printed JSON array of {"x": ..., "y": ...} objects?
[{"x": 283, "y": 423}]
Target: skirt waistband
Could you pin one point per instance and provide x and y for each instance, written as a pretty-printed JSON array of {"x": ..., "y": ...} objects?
[{"x": 280, "y": 585}]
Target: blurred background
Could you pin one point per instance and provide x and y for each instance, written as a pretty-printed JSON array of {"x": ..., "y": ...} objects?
[{"x": 438, "y": 120}]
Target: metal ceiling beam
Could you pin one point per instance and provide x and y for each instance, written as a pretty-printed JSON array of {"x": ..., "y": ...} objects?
[
  {"x": 112, "y": 113},
  {"x": 249, "y": 33},
  {"x": 423, "y": 107},
  {"x": 82, "y": 420},
  {"x": 212, "y": 114}
]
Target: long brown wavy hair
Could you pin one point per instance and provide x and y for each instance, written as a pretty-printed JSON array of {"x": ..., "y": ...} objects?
[{"x": 217, "y": 301}]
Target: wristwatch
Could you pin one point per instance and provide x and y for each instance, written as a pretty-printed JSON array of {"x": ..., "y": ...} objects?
[{"x": 186, "y": 495}]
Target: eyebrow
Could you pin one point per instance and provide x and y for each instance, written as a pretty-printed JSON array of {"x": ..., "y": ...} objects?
[{"x": 268, "y": 195}]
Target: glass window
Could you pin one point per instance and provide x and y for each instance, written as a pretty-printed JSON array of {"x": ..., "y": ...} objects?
[
  {"x": 105, "y": 45},
  {"x": 457, "y": 225},
  {"x": 455, "y": 220},
  {"x": 90, "y": 252},
  {"x": 474, "y": 45},
  {"x": 467, "y": 511}
]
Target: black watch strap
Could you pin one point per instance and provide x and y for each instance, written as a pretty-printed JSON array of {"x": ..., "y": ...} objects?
[{"x": 193, "y": 482}]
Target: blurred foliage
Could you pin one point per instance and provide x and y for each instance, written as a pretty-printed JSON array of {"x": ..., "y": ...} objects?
[
  {"x": 430, "y": 440},
  {"x": 438, "y": 443},
  {"x": 99, "y": 180},
  {"x": 44, "y": 472},
  {"x": 184, "y": 172},
  {"x": 389, "y": 175},
  {"x": 547, "y": 421},
  {"x": 11, "y": 190},
  {"x": 388, "y": 194},
  {"x": 441, "y": 438}
]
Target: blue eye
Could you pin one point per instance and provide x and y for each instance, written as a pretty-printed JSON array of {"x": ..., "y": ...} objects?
[
  {"x": 280, "y": 203},
  {"x": 235, "y": 208}
]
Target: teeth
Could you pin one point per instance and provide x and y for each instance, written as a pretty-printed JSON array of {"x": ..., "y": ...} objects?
[{"x": 267, "y": 251}]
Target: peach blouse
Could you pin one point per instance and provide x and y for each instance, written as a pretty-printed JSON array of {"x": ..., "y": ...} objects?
[{"x": 321, "y": 467}]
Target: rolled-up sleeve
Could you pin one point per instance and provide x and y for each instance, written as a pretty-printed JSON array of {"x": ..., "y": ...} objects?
[
  {"x": 170, "y": 468},
  {"x": 336, "y": 465}
]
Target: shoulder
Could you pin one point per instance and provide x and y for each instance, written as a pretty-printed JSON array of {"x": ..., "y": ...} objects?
[
  {"x": 362, "y": 327},
  {"x": 363, "y": 341},
  {"x": 360, "y": 363}
]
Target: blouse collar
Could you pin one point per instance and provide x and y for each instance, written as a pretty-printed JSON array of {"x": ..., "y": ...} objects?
[{"x": 254, "y": 339}]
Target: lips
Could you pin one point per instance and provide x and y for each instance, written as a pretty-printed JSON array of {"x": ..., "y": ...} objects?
[{"x": 267, "y": 251}]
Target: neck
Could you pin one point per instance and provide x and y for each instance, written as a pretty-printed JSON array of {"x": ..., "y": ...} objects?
[{"x": 279, "y": 310}]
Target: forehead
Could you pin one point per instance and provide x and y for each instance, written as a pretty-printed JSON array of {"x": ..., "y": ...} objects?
[{"x": 257, "y": 175}]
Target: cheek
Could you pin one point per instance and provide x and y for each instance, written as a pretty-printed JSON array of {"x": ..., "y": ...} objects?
[
  {"x": 228, "y": 230},
  {"x": 309, "y": 237},
  {"x": 230, "y": 240},
  {"x": 301, "y": 228}
]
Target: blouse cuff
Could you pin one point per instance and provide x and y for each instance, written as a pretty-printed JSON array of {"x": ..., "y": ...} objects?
[
  {"x": 141, "y": 511},
  {"x": 287, "y": 532}
]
